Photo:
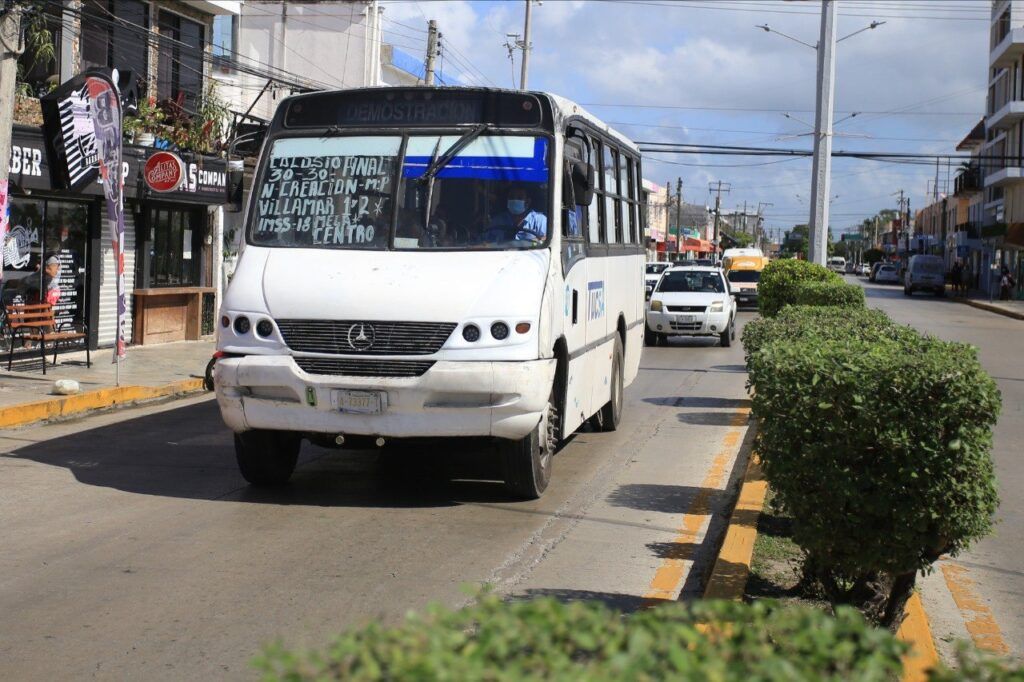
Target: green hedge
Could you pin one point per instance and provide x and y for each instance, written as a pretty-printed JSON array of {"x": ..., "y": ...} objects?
[
  {"x": 973, "y": 665},
  {"x": 795, "y": 323},
  {"x": 546, "y": 639},
  {"x": 879, "y": 450},
  {"x": 829, "y": 293},
  {"x": 779, "y": 280}
]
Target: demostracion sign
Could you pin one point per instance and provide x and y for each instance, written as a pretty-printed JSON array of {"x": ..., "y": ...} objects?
[{"x": 164, "y": 172}]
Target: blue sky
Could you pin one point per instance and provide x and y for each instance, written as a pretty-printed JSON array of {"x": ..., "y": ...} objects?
[{"x": 698, "y": 71}]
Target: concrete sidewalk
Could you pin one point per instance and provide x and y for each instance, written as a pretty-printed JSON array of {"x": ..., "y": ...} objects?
[
  {"x": 147, "y": 373},
  {"x": 1013, "y": 309}
]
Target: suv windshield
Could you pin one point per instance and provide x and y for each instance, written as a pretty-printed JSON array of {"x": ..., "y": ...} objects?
[
  {"x": 691, "y": 280},
  {"x": 744, "y": 275},
  {"x": 343, "y": 192}
]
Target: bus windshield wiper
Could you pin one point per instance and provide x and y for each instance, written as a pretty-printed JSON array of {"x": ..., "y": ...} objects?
[{"x": 439, "y": 162}]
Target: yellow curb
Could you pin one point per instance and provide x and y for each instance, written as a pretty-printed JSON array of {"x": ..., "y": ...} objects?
[
  {"x": 990, "y": 308},
  {"x": 915, "y": 631},
  {"x": 728, "y": 578},
  {"x": 65, "y": 406}
]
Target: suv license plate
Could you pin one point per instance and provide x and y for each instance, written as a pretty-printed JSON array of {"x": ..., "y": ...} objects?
[
  {"x": 686, "y": 318},
  {"x": 359, "y": 402}
]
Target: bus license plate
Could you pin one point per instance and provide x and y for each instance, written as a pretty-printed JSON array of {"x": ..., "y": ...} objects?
[{"x": 358, "y": 402}]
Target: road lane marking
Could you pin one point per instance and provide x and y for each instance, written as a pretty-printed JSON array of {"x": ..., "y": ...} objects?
[
  {"x": 729, "y": 576},
  {"x": 671, "y": 574},
  {"x": 976, "y": 614}
]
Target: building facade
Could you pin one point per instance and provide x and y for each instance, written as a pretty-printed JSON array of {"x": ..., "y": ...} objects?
[{"x": 161, "y": 51}]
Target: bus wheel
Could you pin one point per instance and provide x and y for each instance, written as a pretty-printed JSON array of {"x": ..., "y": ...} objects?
[
  {"x": 526, "y": 463},
  {"x": 607, "y": 418},
  {"x": 267, "y": 458}
]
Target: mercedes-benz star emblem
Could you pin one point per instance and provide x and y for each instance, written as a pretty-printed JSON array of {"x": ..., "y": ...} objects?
[{"x": 360, "y": 337}]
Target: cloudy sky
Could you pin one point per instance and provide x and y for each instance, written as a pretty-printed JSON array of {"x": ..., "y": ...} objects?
[{"x": 698, "y": 71}]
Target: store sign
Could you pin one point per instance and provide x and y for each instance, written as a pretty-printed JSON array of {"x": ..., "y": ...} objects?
[{"x": 164, "y": 172}]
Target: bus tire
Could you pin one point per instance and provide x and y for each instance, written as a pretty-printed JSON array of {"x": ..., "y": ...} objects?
[
  {"x": 267, "y": 458},
  {"x": 608, "y": 417},
  {"x": 526, "y": 463}
]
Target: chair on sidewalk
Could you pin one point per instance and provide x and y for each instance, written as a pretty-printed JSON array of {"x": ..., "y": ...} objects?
[{"x": 36, "y": 322}]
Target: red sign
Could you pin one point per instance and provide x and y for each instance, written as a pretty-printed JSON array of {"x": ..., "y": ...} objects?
[{"x": 164, "y": 172}]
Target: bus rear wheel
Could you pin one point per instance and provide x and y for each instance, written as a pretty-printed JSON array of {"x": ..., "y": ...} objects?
[
  {"x": 526, "y": 463},
  {"x": 608, "y": 417},
  {"x": 267, "y": 458}
]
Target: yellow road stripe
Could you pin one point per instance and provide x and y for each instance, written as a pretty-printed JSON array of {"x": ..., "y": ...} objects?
[
  {"x": 669, "y": 577},
  {"x": 976, "y": 614}
]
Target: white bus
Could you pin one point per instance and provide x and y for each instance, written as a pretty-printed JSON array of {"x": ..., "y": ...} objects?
[{"x": 424, "y": 262}]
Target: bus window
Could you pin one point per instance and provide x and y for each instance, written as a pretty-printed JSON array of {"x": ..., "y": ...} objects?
[
  {"x": 492, "y": 194},
  {"x": 633, "y": 237}
]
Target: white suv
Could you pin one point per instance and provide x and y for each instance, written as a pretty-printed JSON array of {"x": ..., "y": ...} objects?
[{"x": 691, "y": 301}]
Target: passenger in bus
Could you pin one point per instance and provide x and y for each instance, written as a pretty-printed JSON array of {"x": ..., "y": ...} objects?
[{"x": 518, "y": 222}]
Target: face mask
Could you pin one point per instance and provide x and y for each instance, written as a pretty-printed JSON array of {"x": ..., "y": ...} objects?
[{"x": 517, "y": 206}]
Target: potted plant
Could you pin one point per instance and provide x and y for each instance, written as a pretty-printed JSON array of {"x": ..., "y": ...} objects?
[{"x": 145, "y": 124}]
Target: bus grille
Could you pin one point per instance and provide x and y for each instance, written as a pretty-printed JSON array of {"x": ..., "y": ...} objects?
[
  {"x": 359, "y": 367},
  {"x": 365, "y": 337}
]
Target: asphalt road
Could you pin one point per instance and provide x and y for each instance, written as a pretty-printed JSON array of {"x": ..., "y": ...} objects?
[
  {"x": 987, "y": 582},
  {"x": 132, "y": 549}
]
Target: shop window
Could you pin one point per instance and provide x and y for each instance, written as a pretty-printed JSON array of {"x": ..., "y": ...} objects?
[
  {"x": 45, "y": 257},
  {"x": 173, "y": 247},
  {"x": 180, "y": 67},
  {"x": 224, "y": 39}
]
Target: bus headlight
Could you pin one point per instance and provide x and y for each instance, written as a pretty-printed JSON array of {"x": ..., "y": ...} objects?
[{"x": 656, "y": 306}]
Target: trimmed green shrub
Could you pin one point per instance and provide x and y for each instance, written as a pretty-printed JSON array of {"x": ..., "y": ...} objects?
[
  {"x": 796, "y": 323},
  {"x": 973, "y": 665},
  {"x": 779, "y": 279},
  {"x": 880, "y": 451},
  {"x": 829, "y": 293},
  {"x": 547, "y": 639}
]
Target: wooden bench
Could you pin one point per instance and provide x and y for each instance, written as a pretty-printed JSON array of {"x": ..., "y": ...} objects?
[{"x": 36, "y": 322}]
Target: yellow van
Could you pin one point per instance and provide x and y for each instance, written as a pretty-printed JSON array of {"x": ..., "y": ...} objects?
[{"x": 743, "y": 271}]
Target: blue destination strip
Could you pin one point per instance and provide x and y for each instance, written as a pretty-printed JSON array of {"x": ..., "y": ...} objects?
[{"x": 522, "y": 169}]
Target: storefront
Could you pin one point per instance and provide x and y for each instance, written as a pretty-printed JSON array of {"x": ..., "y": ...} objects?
[{"x": 58, "y": 242}]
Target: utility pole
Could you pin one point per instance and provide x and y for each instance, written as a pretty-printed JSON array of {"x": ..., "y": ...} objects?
[
  {"x": 679, "y": 216},
  {"x": 821, "y": 171},
  {"x": 668, "y": 215},
  {"x": 11, "y": 47},
  {"x": 428, "y": 77},
  {"x": 718, "y": 209},
  {"x": 527, "y": 46}
]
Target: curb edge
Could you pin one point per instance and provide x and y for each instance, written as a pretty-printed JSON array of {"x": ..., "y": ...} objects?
[
  {"x": 981, "y": 305},
  {"x": 90, "y": 401}
]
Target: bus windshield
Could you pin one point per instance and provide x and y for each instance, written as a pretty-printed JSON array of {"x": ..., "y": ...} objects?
[{"x": 360, "y": 192}]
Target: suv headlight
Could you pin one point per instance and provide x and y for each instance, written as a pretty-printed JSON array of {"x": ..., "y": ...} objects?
[
  {"x": 717, "y": 307},
  {"x": 656, "y": 306}
]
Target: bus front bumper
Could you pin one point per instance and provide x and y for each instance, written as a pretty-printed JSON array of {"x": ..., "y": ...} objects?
[{"x": 501, "y": 399}]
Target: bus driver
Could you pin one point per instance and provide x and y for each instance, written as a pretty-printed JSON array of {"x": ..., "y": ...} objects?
[{"x": 519, "y": 221}]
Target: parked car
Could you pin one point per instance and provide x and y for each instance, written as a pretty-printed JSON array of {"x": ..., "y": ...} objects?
[
  {"x": 851, "y": 267},
  {"x": 874, "y": 270},
  {"x": 691, "y": 301},
  {"x": 887, "y": 274},
  {"x": 865, "y": 270},
  {"x": 651, "y": 275},
  {"x": 925, "y": 272}
]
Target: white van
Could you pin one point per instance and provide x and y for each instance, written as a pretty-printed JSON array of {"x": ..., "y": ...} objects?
[
  {"x": 837, "y": 264},
  {"x": 433, "y": 262},
  {"x": 925, "y": 272}
]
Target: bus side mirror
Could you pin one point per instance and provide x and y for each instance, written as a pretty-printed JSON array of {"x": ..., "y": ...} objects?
[{"x": 583, "y": 182}]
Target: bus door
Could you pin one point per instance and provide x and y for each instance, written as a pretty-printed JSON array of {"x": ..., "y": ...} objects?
[
  {"x": 575, "y": 221},
  {"x": 601, "y": 230}
]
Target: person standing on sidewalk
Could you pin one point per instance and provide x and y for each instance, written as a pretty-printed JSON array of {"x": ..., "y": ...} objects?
[
  {"x": 1006, "y": 284},
  {"x": 956, "y": 276}
]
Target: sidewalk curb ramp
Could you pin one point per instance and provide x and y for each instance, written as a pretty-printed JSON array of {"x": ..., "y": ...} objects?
[
  {"x": 90, "y": 401},
  {"x": 982, "y": 305},
  {"x": 731, "y": 570}
]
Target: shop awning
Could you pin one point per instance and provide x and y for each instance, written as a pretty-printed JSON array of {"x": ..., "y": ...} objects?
[{"x": 698, "y": 245}]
